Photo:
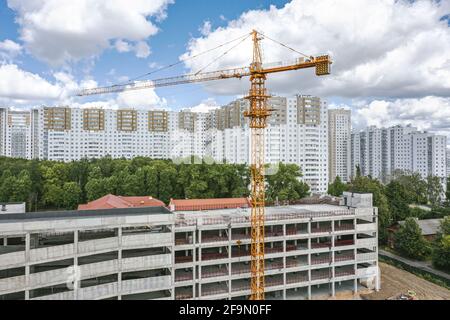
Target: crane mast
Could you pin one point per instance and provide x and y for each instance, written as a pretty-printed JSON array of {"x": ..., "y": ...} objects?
[{"x": 258, "y": 113}]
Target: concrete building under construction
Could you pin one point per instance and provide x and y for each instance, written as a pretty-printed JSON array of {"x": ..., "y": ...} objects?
[{"x": 312, "y": 251}]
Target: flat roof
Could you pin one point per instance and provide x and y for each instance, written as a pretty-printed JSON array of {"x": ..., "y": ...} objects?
[
  {"x": 46, "y": 215},
  {"x": 301, "y": 208}
]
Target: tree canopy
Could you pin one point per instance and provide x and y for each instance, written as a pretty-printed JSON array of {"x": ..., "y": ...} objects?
[
  {"x": 410, "y": 242},
  {"x": 48, "y": 185}
]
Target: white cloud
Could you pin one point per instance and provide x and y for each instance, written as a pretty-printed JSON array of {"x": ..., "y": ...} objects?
[
  {"x": 205, "y": 106},
  {"x": 428, "y": 114},
  {"x": 60, "y": 31},
  {"x": 142, "y": 49},
  {"x": 141, "y": 99},
  {"x": 206, "y": 28},
  {"x": 386, "y": 48},
  {"x": 17, "y": 84},
  {"x": 22, "y": 88},
  {"x": 122, "y": 46},
  {"x": 9, "y": 49}
]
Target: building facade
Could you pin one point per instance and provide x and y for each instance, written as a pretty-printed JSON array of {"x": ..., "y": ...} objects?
[
  {"x": 297, "y": 133},
  {"x": 339, "y": 139},
  {"x": 380, "y": 152},
  {"x": 312, "y": 251}
]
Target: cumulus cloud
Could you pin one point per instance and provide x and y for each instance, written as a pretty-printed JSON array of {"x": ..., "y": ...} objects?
[
  {"x": 141, "y": 48},
  {"x": 205, "y": 106},
  {"x": 23, "y": 88},
  {"x": 428, "y": 114},
  {"x": 60, "y": 31},
  {"x": 142, "y": 99},
  {"x": 9, "y": 49},
  {"x": 386, "y": 48}
]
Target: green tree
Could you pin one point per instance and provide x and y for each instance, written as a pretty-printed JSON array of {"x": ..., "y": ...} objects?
[
  {"x": 410, "y": 242},
  {"x": 337, "y": 188},
  {"x": 399, "y": 200},
  {"x": 441, "y": 247},
  {"x": 285, "y": 184},
  {"x": 434, "y": 190},
  {"x": 71, "y": 195}
]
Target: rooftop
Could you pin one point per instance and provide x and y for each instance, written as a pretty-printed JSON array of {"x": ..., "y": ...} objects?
[
  {"x": 429, "y": 227},
  {"x": 111, "y": 201},
  {"x": 53, "y": 215},
  {"x": 208, "y": 204}
]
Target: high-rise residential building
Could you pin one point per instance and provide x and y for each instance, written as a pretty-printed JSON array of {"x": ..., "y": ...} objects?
[
  {"x": 297, "y": 133},
  {"x": 16, "y": 133},
  {"x": 339, "y": 139},
  {"x": 366, "y": 152},
  {"x": 379, "y": 152},
  {"x": 448, "y": 162}
]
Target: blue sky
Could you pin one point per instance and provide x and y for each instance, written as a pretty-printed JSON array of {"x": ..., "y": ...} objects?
[
  {"x": 391, "y": 58},
  {"x": 184, "y": 19}
]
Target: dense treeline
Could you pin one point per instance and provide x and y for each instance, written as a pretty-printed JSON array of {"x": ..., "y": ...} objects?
[
  {"x": 402, "y": 199},
  {"x": 47, "y": 185}
]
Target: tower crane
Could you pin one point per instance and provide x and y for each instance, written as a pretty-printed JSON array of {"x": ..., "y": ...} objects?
[{"x": 258, "y": 114}]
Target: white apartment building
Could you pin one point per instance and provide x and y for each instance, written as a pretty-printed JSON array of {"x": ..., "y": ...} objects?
[
  {"x": 314, "y": 251},
  {"x": 297, "y": 133},
  {"x": 339, "y": 138},
  {"x": 16, "y": 133},
  {"x": 380, "y": 152},
  {"x": 366, "y": 147}
]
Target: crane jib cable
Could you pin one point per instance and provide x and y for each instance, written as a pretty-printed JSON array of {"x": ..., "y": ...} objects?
[
  {"x": 221, "y": 56},
  {"x": 182, "y": 60},
  {"x": 286, "y": 46}
]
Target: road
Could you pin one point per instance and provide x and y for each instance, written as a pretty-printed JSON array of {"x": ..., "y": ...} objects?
[{"x": 418, "y": 264}]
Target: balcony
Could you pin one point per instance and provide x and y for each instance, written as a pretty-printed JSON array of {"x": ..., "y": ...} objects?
[
  {"x": 98, "y": 292},
  {"x": 12, "y": 284},
  {"x": 146, "y": 284},
  {"x": 146, "y": 240},
  {"x": 11, "y": 259},
  {"x": 51, "y": 253},
  {"x": 361, "y": 257}
]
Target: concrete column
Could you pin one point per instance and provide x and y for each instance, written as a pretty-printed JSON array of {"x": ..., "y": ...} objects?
[
  {"x": 76, "y": 283},
  {"x": 5, "y": 241},
  {"x": 230, "y": 230},
  {"x": 309, "y": 293},
  {"x": 200, "y": 263},
  {"x": 355, "y": 286},
  {"x": 27, "y": 266},
  {"x": 194, "y": 263},
  {"x": 333, "y": 289},
  {"x": 119, "y": 274}
]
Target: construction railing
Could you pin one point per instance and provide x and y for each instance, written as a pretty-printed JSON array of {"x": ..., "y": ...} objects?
[
  {"x": 321, "y": 230},
  {"x": 184, "y": 277},
  {"x": 344, "y": 227},
  {"x": 297, "y": 279},
  {"x": 216, "y": 273},
  {"x": 272, "y": 217},
  {"x": 183, "y": 259}
]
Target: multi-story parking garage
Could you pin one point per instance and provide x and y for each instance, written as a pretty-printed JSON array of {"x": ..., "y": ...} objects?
[{"x": 152, "y": 253}]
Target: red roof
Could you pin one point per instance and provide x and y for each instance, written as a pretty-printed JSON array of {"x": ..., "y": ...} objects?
[
  {"x": 208, "y": 204},
  {"x": 111, "y": 202}
]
